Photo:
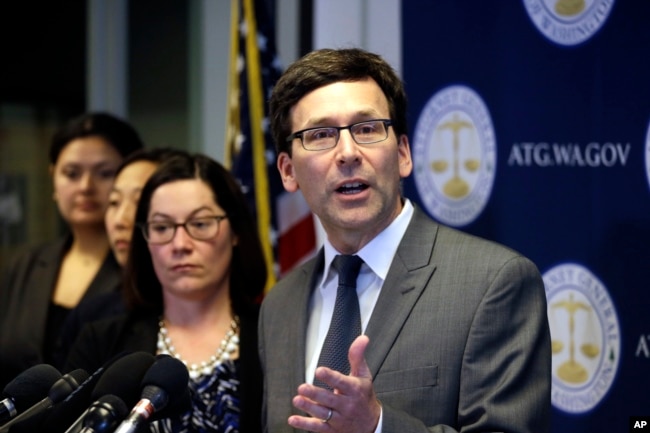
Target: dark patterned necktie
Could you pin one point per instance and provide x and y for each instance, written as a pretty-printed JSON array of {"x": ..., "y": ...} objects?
[{"x": 346, "y": 320}]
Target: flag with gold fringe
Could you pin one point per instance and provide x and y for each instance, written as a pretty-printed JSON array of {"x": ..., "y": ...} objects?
[{"x": 285, "y": 224}]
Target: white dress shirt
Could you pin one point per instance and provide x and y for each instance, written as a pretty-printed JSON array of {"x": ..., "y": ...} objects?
[{"x": 377, "y": 256}]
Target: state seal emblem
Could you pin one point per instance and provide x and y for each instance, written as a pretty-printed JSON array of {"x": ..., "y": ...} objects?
[
  {"x": 454, "y": 155},
  {"x": 585, "y": 337},
  {"x": 568, "y": 22}
]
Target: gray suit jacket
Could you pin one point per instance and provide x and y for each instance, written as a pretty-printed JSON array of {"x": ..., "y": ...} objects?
[{"x": 459, "y": 337}]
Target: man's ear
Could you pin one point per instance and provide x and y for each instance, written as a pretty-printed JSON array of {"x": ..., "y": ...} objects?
[
  {"x": 405, "y": 161},
  {"x": 287, "y": 172}
]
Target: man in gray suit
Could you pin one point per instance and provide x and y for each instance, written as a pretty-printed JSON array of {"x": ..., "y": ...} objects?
[{"x": 455, "y": 333}]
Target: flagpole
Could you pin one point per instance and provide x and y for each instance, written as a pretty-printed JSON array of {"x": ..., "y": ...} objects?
[
  {"x": 233, "y": 124},
  {"x": 256, "y": 107}
]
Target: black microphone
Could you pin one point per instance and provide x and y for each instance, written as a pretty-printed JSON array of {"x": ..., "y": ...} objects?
[
  {"x": 122, "y": 380},
  {"x": 164, "y": 382},
  {"x": 104, "y": 415},
  {"x": 27, "y": 389},
  {"x": 60, "y": 390},
  {"x": 59, "y": 418},
  {"x": 176, "y": 407}
]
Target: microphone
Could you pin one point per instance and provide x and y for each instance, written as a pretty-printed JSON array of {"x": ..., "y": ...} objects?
[
  {"x": 27, "y": 389},
  {"x": 64, "y": 413},
  {"x": 104, "y": 414},
  {"x": 176, "y": 407},
  {"x": 164, "y": 382},
  {"x": 121, "y": 380},
  {"x": 60, "y": 390}
]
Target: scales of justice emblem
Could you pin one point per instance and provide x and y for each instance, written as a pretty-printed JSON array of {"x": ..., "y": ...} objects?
[
  {"x": 585, "y": 337},
  {"x": 571, "y": 370},
  {"x": 454, "y": 155},
  {"x": 456, "y": 186}
]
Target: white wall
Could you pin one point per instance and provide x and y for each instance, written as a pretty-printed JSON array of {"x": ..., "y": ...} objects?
[{"x": 374, "y": 25}]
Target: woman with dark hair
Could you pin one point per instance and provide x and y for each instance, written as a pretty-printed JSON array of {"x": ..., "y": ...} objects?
[
  {"x": 193, "y": 279},
  {"x": 119, "y": 219},
  {"x": 43, "y": 283},
  {"x": 124, "y": 196}
]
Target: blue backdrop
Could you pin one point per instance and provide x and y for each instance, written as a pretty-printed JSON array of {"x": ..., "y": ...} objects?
[{"x": 529, "y": 125}]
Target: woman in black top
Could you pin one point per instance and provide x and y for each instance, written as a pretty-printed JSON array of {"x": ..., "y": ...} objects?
[{"x": 42, "y": 284}]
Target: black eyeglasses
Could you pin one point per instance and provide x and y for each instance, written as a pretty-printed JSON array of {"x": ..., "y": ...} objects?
[
  {"x": 323, "y": 138},
  {"x": 162, "y": 232}
]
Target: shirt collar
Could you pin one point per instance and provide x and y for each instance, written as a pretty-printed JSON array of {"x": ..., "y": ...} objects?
[{"x": 379, "y": 252}]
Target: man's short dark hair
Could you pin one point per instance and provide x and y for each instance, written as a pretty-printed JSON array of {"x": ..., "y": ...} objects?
[{"x": 322, "y": 67}]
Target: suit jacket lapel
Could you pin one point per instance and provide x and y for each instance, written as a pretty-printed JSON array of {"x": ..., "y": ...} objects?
[
  {"x": 48, "y": 262},
  {"x": 42, "y": 282},
  {"x": 297, "y": 329},
  {"x": 107, "y": 279},
  {"x": 409, "y": 274}
]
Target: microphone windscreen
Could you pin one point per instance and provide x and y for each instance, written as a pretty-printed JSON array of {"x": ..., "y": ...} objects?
[
  {"x": 105, "y": 414},
  {"x": 31, "y": 386},
  {"x": 68, "y": 383},
  {"x": 177, "y": 406},
  {"x": 116, "y": 403},
  {"x": 27, "y": 420},
  {"x": 168, "y": 374},
  {"x": 123, "y": 378},
  {"x": 65, "y": 412}
]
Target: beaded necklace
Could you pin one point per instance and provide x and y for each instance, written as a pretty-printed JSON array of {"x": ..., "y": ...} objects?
[{"x": 226, "y": 348}]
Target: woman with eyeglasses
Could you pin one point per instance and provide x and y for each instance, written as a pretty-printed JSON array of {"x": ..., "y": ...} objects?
[{"x": 193, "y": 278}]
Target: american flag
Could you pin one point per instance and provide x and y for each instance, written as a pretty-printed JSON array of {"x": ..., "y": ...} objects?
[{"x": 285, "y": 224}]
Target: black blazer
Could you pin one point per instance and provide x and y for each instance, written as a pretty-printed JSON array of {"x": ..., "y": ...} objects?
[
  {"x": 102, "y": 340},
  {"x": 25, "y": 298}
]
